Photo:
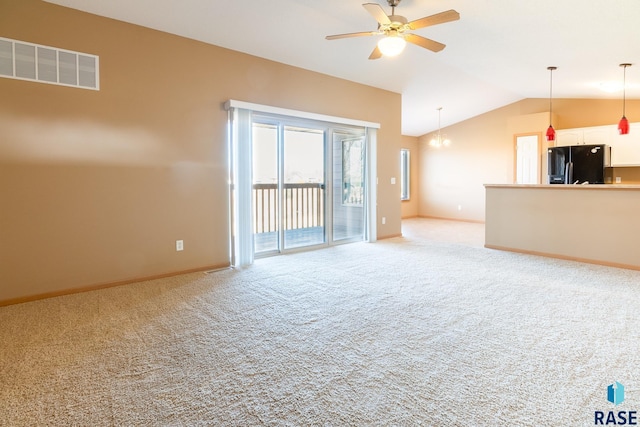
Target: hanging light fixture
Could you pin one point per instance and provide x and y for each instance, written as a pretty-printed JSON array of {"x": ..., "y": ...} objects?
[
  {"x": 623, "y": 125},
  {"x": 439, "y": 140},
  {"x": 392, "y": 45},
  {"x": 551, "y": 133}
]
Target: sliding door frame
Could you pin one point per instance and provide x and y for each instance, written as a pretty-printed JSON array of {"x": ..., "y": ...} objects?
[
  {"x": 239, "y": 135},
  {"x": 282, "y": 123}
]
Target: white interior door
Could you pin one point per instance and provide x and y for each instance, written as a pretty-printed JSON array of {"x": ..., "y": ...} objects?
[{"x": 527, "y": 159}]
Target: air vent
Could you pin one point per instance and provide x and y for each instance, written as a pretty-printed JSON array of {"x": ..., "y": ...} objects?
[{"x": 28, "y": 61}]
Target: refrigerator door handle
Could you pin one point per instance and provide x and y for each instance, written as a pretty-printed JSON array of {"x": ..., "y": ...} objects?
[{"x": 568, "y": 173}]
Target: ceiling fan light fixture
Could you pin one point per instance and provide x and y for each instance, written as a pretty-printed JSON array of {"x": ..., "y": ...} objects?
[
  {"x": 392, "y": 45},
  {"x": 396, "y": 30}
]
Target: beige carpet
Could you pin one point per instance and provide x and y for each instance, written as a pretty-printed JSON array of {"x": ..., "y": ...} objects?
[{"x": 430, "y": 329}]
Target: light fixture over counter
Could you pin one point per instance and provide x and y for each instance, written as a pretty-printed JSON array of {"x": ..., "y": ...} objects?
[
  {"x": 438, "y": 139},
  {"x": 551, "y": 133},
  {"x": 623, "y": 125}
]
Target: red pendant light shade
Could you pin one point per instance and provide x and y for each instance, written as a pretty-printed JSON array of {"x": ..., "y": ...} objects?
[
  {"x": 551, "y": 133},
  {"x": 623, "y": 125}
]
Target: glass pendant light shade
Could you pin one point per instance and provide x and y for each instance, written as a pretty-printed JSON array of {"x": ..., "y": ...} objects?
[
  {"x": 438, "y": 139},
  {"x": 392, "y": 45},
  {"x": 623, "y": 124},
  {"x": 551, "y": 133}
]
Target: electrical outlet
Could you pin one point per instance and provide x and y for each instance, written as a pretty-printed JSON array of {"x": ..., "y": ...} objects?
[
  {"x": 459, "y": 207},
  {"x": 393, "y": 180},
  {"x": 179, "y": 245},
  {"x": 384, "y": 220},
  {"x": 618, "y": 180}
]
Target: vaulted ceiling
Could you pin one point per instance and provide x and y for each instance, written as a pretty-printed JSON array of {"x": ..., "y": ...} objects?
[{"x": 496, "y": 54}]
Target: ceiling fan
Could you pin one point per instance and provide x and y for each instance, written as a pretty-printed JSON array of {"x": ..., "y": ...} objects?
[{"x": 396, "y": 29}]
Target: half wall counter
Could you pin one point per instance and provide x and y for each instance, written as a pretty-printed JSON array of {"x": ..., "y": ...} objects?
[{"x": 589, "y": 223}]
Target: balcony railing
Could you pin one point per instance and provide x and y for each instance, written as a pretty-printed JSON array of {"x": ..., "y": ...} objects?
[{"x": 302, "y": 205}]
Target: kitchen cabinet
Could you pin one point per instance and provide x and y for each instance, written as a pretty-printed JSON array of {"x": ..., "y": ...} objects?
[
  {"x": 625, "y": 149},
  {"x": 595, "y": 135},
  {"x": 567, "y": 137}
]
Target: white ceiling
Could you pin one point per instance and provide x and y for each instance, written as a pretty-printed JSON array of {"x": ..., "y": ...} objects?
[{"x": 496, "y": 54}]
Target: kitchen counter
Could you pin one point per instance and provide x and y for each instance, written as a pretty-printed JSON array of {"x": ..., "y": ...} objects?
[
  {"x": 568, "y": 186},
  {"x": 590, "y": 223}
]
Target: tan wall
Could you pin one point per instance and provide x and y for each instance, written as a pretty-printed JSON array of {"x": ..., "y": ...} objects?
[
  {"x": 410, "y": 207},
  {"x": 627, "y": 175},
  {"x": 96, "y": 186},
  {"x": 482, "y": 151}
]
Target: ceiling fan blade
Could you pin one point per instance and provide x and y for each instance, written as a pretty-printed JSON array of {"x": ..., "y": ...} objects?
[
  {"x": 376, "y": 54},
  {"x": 438, "y": 18},
  {"x": 424, "y": 42},
  {"x": 344, "y": 36},
  {"x": 377, "y": 12}
]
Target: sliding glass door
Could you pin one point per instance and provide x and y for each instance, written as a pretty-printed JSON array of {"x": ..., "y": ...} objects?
[
  {"x": 303, "y": 187},
  {"x": 266, "y": 189},
  {"x": 308, "y": 183},
  {"x": 349, "y": 154},
  {"x": 298, "y": 179},
  {"x": 289, "y": 196}
]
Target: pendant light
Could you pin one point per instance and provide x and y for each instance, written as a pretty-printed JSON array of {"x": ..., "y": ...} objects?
[
  {"x": 551, "y": 133},
  {"x": 438, "y": 140},
  {"x": 623, "y": 125}
]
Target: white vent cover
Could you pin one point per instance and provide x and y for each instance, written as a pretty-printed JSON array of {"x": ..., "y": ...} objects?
[{"x": 28, "y": 61}]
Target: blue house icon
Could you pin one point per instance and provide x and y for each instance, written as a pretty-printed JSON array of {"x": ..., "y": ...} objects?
[{"x": 615, "y": 393}]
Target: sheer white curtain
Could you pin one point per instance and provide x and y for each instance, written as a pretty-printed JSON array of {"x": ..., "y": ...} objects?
[
  {"x": 371, "y": 189},
  {"x": 241, "y": 187}
]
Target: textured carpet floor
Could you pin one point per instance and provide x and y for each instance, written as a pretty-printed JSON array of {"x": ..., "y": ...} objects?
[{"x": 430, "y": 329}]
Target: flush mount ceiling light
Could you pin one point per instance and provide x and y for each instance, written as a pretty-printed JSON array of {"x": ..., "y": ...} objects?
[
  {"x": 623, "y": 125},
  {"x": 439, "y": 140},
  {"x": 392, "y": 45},
  {"x": 551, "y": 133}
]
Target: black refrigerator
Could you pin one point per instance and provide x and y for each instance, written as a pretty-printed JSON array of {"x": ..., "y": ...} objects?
[{"x": 578, "y": 164}]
